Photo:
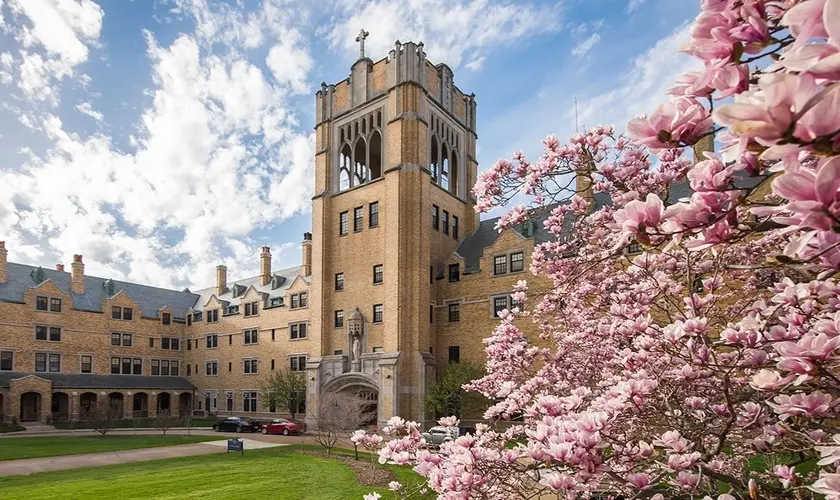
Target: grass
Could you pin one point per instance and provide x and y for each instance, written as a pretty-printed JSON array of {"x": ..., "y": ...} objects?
[
  {"x": 52, "y": 446},
  {"x": 11, "y": 428},
  {"x": 268, "y": 473},
  {"x": 141, "y": 424}
]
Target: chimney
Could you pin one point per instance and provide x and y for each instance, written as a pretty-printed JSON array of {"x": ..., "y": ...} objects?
[
  {"x": 221, "y": 279},
  {"x": 307, "y": 254},
  {"x": 77, "y": 280},
  {"x": 3, "y": 266},
  {"x": 59, "y": 267},
  {"x": 265, "y": 266}
]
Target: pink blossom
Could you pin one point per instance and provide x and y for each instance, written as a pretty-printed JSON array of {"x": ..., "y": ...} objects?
[
  {"x": 828, "y": 485},
  {"x": 639, "y": 480},
  {"x": 637, "y": 216},
  {"x": 786, "y": 474},
  {"x": 816, "y": 404}
]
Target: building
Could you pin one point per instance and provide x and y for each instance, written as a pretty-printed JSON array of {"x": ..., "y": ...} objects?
[{"x": 398, "y": 278}]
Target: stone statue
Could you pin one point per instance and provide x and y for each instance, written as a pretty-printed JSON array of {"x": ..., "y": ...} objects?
[{"x": 357, "y": 349}]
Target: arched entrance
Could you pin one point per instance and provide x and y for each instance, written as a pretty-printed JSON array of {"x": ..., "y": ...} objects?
[
  {"x": 140, "y": 405},
  {"x": 116, "y": 404},
  {"x": 362, "y": 387},
  {"x": 30, "y": 407},
  {"x": 87, "y": 405},
  {"x": 186, "y": 404},
  {"x": 164, "y": 402},
  {"x": 60, "y": 406}
]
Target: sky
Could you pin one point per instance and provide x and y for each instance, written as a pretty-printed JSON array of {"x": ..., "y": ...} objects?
[{"x": 162, "y": 138}]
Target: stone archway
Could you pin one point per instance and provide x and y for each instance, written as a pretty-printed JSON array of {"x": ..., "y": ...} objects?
[
  {"x": 60, "y": 406},
  {"x": 186, "y": 404},
  {"x": 87, "y": 405},
  {"x": 140, "y": 405},
  {"x": 360, "y": 386},
  {"x": 116, "y": 404},
  {"x": 164, "y": 402},
  {"x": 30, "y": 407}
]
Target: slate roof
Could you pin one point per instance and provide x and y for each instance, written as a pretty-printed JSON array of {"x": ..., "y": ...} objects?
[
  {"x": 286, "y": 276},
  {"x": 150, "y": 299},
  {"x": 86, "y": 381}
]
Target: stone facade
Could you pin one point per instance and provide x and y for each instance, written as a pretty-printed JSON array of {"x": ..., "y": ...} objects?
[{"x": 368, "y": 311}]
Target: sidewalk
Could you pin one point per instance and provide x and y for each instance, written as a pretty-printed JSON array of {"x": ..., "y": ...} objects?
[
  {"x": 28, "y": 466},
  {"x": 52, "y": 431}
]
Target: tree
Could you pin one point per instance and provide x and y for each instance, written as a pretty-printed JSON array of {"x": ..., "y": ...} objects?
[
  {"x": 668, "y": 372},
  {"x": 284, "y": 389},
  {"x": 164, "y": 420},
  {"x": 103, "y": 419},
  {"x": 338, "y": 414},
  {"x": 447, "y": 395}
]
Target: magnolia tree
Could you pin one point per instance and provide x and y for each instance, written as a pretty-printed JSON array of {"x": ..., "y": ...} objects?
[{"x": 706, "y": 364}]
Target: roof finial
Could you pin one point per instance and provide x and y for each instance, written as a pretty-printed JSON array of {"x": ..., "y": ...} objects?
[{"x": 361, "y": 39}]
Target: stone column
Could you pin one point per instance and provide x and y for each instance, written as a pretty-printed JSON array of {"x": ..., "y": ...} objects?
[
  {"x": 313, "y": 390},
  {"x": 73, "y": 403},
  {"x": 389, "y": 373},
  {"x": 153, "y": 404}
]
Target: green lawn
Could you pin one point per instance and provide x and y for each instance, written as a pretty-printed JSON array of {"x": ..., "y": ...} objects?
[
  {"x": 140, "y": 424},
  {"x": 33, "y": 447},
  {"x": 268, "y": 473},
  {"x": 11, "y": 428}
]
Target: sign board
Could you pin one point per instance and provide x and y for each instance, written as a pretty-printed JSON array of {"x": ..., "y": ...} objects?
[{"x": 236, "y": 445}]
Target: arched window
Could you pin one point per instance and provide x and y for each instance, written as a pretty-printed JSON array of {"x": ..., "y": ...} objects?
[
  {"x": 375, "y": 155},
  {"x": 433, "y": 165},
  {"x": 453, "y": 173},
  {"x": 344, "y": 168},
  {"x": 360, "y": 173},
  {"x": 444, "y": 168}
]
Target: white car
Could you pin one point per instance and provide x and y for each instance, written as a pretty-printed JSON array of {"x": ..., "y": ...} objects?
[{"x": 439, "y": 435}]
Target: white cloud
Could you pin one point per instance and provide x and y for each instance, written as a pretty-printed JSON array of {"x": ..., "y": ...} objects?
[
  {"x": 453, "y": 31},
  {"x": 476, "y": 64},
  {"x": 583, "y": 47},
  {"x": 55, "y": 37},
  {"x": 215, "y": 155},
  {"x": 632, "y": 5},
  {"x": 87, "y": 109},
  {"x": 290, "y": 62}
]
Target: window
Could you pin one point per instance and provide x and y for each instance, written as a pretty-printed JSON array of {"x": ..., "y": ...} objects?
[
  {"x": 137, "y": 367},
  {"x": 377, "y": 313},
  {"x": 297, "y": 363},
  {"x": 197, "y": 316},
  {"x": 342, "y": 224},
  {"x": 189, "y": 345},
  {"x": 251, "y": 309},
  {"x": 213, "y": 316},
  {"x": 86, "y": 364},
  {"x": 299, "y": 300},
  {"x": 40, "y": 362},
  {"x": 116, "y": 339},
  {"x": 339, "y": 319},
  {"x": 55, "y": 363},
  {"x": 251, "y": 336},
  {"x": 454, "y": 273},
  {"x": 118, "y": 312},
  {"x": 431, "y": 313},
  {"x": 455, "y": 226},
  {"x": 127, "y": 312},
  {"x": 166, "y": 318},
  {"x": 276, "y": 301},
  {"x": 55, "y": 305},
  {"x": 212, "y": 341},
  {"x": 454, "y": 313},
  {"x": 126, "y": 366},
  {"x": 126, "y": 340},
  {"x": 297, "y": 331},
  {"x": 454, "y": 354},
  {"x": 517, "y": 262},
  {"x": 373, "y": 214},
  {"x": 156, "y": 367},
  {"x": 499, "y": 304},
  {"x": 232, "y": 310},
  {"x": 249, "y": 401},
  {"x": 358, "y": 219},
  {"x": 445, "y": 222},
  {"x": 339, "y": 282},
  {"x": 230, "y": 339},
  {"x": 51, "y": 333},
  {"x": 377, "y": 274},
  {"x": 40, "y": 303},
  {"x": 435, "y": 222},
  {"x": 151, "y": 342},
  {"x": 338, "y": 352},
  {"x": 7, "y": 361},
  {"x": 250, "y": 366},
  {"x": 211, "y": 368},
  {"x": 230, "y": 367},
  {"x": 500, "y": 264},
  {"x": 272, "y": 365},
  {"x": 634, "y": 247},
  {"x": 164, "y": 367},
  {"x": 189, "y": 370},
  {"x": 173, "y": 344}
]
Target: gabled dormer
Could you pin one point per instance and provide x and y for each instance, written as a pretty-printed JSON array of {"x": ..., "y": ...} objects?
[
  {"x": 121, "y": 307},
  {"x": 165, "y": 315},
  {"x": 47, "y": 296}
]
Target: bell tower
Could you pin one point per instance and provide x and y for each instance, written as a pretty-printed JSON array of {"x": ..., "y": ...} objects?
[{"x": 394, "y": 164}]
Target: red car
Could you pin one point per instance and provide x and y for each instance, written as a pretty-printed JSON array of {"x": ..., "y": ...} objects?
[{"x": 283, "y": 426}]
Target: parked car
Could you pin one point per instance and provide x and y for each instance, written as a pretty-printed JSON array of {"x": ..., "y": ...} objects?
[
  {"x": 439, "y": 435},
  {"x": 283, "y": 426},
  {"x": 237, "y": 424}
]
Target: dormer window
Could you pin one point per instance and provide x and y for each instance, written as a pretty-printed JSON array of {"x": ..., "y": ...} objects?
[
  {"x": 251, "y": 309},
  {"x": 233, "y": 309},
  {"x": 123, "y": 313},
  {"x": 166, "y": 318},
  {"x": 276, "y": 301},
  {"x": 276, "y": 281},
  {"x": 197, "y": 316},
  {"x": 213, "y": 316}
]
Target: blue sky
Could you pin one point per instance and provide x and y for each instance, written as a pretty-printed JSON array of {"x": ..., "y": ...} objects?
[{"x": 160, "y": 138}]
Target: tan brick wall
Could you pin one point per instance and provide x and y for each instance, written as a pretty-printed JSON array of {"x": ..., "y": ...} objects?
[
  {"x": 341, "y": 97},
  {"x": 433, "y": 81},
  {"x": 379, "y": 76}
]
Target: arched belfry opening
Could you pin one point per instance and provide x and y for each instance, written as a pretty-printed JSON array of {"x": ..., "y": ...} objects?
[
  {"x": 361, "y": 151},
  {"x": 443, "y": 156}
]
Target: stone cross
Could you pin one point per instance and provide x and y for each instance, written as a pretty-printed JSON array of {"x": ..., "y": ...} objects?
[{"x": 361, "y": 39}]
